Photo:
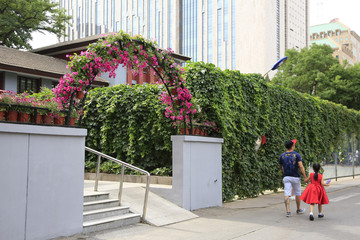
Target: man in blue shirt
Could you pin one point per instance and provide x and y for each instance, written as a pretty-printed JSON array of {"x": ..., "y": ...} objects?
[{"x": 290, "y": 162}]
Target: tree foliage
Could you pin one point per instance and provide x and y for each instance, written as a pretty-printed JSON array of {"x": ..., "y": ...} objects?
[
  {"x": 317, "y": 72},
  {"x": 19, "y": 18}
]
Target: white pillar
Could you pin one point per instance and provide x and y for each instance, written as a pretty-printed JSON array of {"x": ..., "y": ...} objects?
[
  {"x": 197, "y": 166},
  {"x": 42, "y": 181}
]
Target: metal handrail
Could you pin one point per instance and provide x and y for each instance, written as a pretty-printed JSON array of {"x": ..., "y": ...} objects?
[{"x": 123, "y": 164}]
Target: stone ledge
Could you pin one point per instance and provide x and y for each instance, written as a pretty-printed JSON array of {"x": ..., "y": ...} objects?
[{"x": 130, "y": 178}]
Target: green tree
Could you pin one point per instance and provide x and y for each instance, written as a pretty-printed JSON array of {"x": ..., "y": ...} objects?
[
  {"x": 343, "y": 86},
  {"x": 315, "y": 71},
  {"x": 19, "y": 18},
  {"x": 304, "y": 70}
]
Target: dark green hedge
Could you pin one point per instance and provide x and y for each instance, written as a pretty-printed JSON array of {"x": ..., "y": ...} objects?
[{"x": 129, "y": 123}]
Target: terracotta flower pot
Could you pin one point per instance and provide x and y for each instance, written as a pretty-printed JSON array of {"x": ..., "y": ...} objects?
[
  {"x": 12, "y": 116},
  {"x": 72, "y": 121},
  {"x": 38, "y": 119},
  {"x": 24, "y": 117},
  {"x": 59, "y": 120},
  {"x": 196, "y": 131},
  {"x": 2, "y": 113},
  {"x": 182, "y": 131},
  {"x": 46, "y": 119},
  {"x": 80, "y": 95}
]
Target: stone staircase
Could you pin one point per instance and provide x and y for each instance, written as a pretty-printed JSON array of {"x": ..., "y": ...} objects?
[{"x": 101, "y": 213}]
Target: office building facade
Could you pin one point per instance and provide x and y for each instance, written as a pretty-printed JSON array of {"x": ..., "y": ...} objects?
[
  {"x": 249, "y": 36},
  {"x": 344, "y": 41}
]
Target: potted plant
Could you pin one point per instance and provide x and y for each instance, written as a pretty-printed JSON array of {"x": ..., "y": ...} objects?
[
  {"x": 3, "y": 106},
  {"x": 9, "y": 99},
  {"x": 42, "y": 112},
  {"x": 56, "y": 112},
  {"x": 24, "y": 102},
  {"x": 42, "y": 100},
  {"x": 73, "y": 116}
]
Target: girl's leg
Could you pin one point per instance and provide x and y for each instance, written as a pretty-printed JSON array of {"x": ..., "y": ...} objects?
[
  {"x": 311, "y": 208},
  {"x": 320, "y": 208},
  {"x": 320, "y": 211},
  {"x": 311, "y": 212}
]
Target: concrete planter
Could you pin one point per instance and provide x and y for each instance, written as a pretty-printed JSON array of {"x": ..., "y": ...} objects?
[
  {"x": 130, "y": 178},
  {"x": 41, "y": 176}
]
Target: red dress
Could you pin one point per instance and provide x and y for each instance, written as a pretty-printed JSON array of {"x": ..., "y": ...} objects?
[{"x": 315, "y": 192}]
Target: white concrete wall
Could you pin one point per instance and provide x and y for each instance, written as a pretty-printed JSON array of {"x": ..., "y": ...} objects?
[
  {"x": 197, "y": 171},
  {"x": 340, "y": 171},
  {"x": 41, "y": 178},
  {"x": 120, "y": 77}
]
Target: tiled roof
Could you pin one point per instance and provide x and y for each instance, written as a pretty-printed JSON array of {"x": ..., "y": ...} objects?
[
  {"x": 327, "y": 27},
  {"x": 325, "y": 41},
  {"x": 32, "y": 61},
  {"x": 82, "y": 44},
  {"x": 36, "y": 63}
]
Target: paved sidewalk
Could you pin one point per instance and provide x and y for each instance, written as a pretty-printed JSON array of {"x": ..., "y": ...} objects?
[{"x": 231, "y": 221}]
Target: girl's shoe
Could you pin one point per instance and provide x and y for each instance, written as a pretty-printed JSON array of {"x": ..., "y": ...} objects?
[
  {"x": 311, "y": 217},
  {"x": 288, "y": 214},
  {"x": 321, "y": 215}
]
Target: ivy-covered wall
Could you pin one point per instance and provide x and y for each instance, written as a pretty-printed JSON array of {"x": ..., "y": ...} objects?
[{"x": 129, "y": 124}]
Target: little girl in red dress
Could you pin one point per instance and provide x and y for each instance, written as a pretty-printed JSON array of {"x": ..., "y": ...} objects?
[{"x": 315, "y": 192}]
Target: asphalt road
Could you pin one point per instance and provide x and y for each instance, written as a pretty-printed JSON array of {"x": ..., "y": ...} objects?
[{"x": 260, "y": 218}]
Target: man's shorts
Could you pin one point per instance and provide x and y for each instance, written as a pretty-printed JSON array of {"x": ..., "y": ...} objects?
[{"x": 293, "y": 182}]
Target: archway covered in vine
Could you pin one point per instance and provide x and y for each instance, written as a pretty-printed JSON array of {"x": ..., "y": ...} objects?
[{"x": 136, "y": 53}]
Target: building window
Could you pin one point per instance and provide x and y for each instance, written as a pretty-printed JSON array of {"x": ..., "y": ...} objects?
[
  {"x": 341, "y": 39},
  {"x": 233, "y": 39},
  {"x": 210, "y": 31},
  {"x": 219, "y": 33},
  {"x": 25, "y": 84},
  {"x": 336, "y": 39},
  {"x": 330, "y": 34}
]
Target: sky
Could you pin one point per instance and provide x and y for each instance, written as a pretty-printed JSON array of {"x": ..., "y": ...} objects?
[
  {"x": 321, "y": 11},
  {"x": 347, "y": 11}
]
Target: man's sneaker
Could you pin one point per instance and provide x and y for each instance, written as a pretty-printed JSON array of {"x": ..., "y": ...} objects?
[
  {"x": 288, "y": 214},
  {"x": 311, "y": 217},
  {"x": 300, "y": 211},
  {"x": 321, "y": 215}
]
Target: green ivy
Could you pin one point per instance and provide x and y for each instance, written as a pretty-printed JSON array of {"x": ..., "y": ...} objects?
[
  {"x": 128, "y": 123},
  {"x": 244, "y": 107}
]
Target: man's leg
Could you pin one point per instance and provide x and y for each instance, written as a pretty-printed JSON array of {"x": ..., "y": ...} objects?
[
  {"x": 296, "y": 184},
  {"x": 287, "y": 203},
  {"x": 287, "y": 194}
]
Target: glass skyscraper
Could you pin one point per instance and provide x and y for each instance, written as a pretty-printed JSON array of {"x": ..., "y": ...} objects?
[{"x": 232, "y": 34}]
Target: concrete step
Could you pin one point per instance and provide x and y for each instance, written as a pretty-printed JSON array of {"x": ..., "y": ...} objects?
[
  {"x": 106, "y": 212},
  {"x": 107, "y": 203},
  {"x": 95, "y": 196},
  {"x": 110, "y": 222}
]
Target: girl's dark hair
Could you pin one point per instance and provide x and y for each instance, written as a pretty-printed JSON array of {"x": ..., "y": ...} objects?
[{"x": 316, "y": 167}]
